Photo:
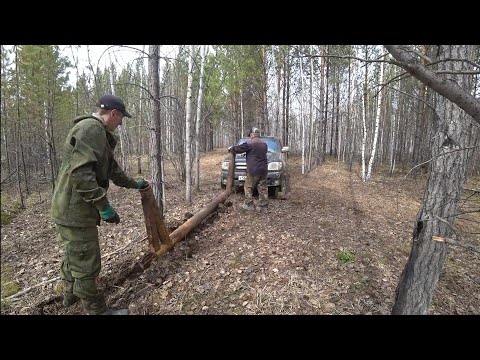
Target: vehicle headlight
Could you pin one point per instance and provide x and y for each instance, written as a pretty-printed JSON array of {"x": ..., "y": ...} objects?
[
  {"x": 275, "y": 166},
  {"x": 224, "y": 165}
]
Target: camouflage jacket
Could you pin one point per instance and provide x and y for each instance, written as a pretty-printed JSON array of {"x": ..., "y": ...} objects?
[{"x": 83, "y": 179}]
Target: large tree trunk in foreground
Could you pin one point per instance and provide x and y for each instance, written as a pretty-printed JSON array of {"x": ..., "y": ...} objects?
[{"x": 437, "y": 215}]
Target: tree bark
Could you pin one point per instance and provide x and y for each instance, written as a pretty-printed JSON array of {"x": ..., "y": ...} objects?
[
  {"x": 421, "y": 273},
  {"x": 188, "y": 122},
  {"x": 199, "y": 117},
  {"x": 155, "y": 143}
]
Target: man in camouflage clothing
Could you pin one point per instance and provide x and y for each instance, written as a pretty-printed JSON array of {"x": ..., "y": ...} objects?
[
  {"x": 257, "y": 170},
  {"x": 80, "y": 200}
]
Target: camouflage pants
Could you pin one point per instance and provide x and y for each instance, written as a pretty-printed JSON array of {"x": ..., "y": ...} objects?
[
  {"x": 259, "y": 182},
  {"x": 81, "y": 265}
]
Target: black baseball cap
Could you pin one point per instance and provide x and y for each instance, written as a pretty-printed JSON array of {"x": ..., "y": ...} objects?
[{"x": 111, "y": 102}]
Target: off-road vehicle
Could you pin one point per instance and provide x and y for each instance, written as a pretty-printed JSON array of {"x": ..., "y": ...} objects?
[{"x": 277, "y": 172}]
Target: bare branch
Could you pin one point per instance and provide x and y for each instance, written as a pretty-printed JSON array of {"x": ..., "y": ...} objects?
[
  {"x": 457, "y": 236},
  {"x": 457, "y": 243},
  {"x": 457, "y": 72},
  {"x": 414, "y": 97},
  {"x": 444, "y": 87},
  {"x": 467, "y": 148}
]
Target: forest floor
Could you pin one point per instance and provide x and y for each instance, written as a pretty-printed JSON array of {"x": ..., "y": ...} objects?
[{"x": 334, "y": 246}]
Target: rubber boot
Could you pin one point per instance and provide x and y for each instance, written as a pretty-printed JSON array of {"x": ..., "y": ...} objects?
[
  {"x": 95, "y": 305},
  {"x": 115, "y": 312},
  {"x": 247, "y": 207},
  {"x": 262, "y": 209},
  {"x": 69, "y": 298}
]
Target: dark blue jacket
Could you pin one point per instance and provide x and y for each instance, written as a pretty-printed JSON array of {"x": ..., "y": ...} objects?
[{"x": 256, "y": 151}]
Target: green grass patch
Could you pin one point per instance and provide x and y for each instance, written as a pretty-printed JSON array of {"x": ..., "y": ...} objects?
[
  {"x": 9, "y": 287},
  {"x": 10, "y": 208},
  {"x": 345, "y": 256},
  {"x": 236, "y": 260},
  {"x": 5, "y": 218}
]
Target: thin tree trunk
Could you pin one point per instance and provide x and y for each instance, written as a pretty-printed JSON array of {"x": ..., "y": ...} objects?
[
  {"x": 377, "y": 125},
  {"x": 324, "y": 131},
  {"x": 188, "y": 121},
  {"x": 319, "y": 157},
  {"x": 310, "y": 142},
  {"x": 155, "y": 143},
  {"x": 302, "y": 121},
  {"x": 365, "y": 108},
  {"x": 199, "y": 117},
  {"x": 287, "y": 110},
  {"x": 18, "y": 130}
]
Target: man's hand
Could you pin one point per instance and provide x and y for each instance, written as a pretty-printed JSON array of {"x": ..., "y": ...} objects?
[
  {"x": 115, "y": 219},
  {"x": 141, "y": 184},
  {"x": 230, "y": 149},
  {"x": 109, "y": 214}
]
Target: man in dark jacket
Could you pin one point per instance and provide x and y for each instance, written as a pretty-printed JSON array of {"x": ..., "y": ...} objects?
[
  {"x": 80, "y": 200},
  {"x": 257, "y": 170}
]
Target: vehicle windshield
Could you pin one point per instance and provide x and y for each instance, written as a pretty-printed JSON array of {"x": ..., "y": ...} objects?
[{"x": 272, "y": 144}]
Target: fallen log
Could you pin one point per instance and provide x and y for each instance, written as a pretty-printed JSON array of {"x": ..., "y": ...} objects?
[{"x": 160, "y": 243}]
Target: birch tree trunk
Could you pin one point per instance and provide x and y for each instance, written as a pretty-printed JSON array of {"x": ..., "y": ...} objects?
[
  {"x": 278, "y": 64},
  {"x": 310, "y": 142},
  {"x": 121, "y": 129},
  {"x": 393, "y": 141},
  {"x": 188, "y": 121},
  {"x": 287, "y": 110},
  {"x": 325, "y": 114},
  {"x": 139, "y": 120},
  {"x": 377, "y": 125},
  {"x": 265, "y": 125},
  {"x": 350, "y": 131},
  {"x": 199, "y": 117},
  {"x": 321, "y": 105},
  {"x": 365, "y": 107},
  {"x": 436, "y": 217}
]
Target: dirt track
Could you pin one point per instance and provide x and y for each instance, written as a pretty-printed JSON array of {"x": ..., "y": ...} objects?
[{"x": 283, "y": 262}]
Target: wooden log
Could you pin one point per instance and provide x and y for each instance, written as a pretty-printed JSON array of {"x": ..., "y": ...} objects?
[
  {"x": 181, "y": 232},
  {"x": 157, "y": 232}
]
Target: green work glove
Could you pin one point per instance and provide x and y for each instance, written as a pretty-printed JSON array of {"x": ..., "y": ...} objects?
[
  {"x": 141, "y": 184},
  {"x": 108, "y": 214}
]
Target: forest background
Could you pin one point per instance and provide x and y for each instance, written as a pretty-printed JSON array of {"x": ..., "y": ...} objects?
[{"x": 357, "y": 104}]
